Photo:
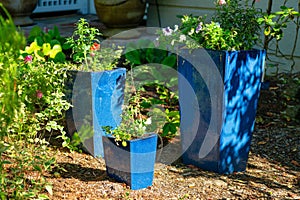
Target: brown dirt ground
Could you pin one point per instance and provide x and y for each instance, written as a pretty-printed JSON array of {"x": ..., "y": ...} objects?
[{"x": 273, "y": 170}]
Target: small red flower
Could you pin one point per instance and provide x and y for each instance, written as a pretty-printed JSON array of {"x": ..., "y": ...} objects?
[
  {"x": 39, "y": 94},
  {"x": 95, "y": 46},
  {"x": 28, "y": 59}
]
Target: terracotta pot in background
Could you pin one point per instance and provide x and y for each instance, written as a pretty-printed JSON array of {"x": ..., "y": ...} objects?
[
  {"x": 20, "y": 10},
  {"x": 120, "y": 13}
]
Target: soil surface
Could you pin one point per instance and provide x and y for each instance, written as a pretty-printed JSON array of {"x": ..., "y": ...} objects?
[{"x": 273, "y": 170}]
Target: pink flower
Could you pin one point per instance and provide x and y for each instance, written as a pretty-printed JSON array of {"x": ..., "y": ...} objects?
[
  {"x": 222, "y": 2},
  {"x": 28, "y": 59},
  {"x": 39, "y": 94}
]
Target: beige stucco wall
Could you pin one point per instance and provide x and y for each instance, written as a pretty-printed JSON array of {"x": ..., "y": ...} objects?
[{"x": 169, "y": 9}]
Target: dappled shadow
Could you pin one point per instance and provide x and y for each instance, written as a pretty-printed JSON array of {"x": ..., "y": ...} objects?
[
  {"x": 70, "y": 170},
  {"x": 276, "y": 134},
  {"x": 234, "y": 123}
]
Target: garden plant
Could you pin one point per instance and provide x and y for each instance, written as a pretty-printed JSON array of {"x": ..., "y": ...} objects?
[
  {"x": 32, "y": 107},
  {"x": 34, "y": 101},
  {"x": 225, "y": 123}
]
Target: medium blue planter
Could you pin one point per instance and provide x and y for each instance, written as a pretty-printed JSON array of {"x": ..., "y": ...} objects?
[
  {"x": 97, "y": 99},
  {"x": 221, "y": 145},
  {"x": 133, "y": 164}
]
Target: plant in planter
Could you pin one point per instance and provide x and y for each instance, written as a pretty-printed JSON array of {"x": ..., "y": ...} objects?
[
  {"x": 219, "y": 84},
  {"x": 129, "y": 151},
  {"x": 94, "y": 85},
  {"x": 156, "y": 79}
]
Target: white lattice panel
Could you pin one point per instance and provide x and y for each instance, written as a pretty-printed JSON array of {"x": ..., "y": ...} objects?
[{"x": 61, "y": 5}]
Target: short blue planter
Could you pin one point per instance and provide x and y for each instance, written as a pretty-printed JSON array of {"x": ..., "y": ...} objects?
[
  {"x": 227, "y": 140},
  {"x": 133, "y": 164},
  {"x": 97, "y": 99}
]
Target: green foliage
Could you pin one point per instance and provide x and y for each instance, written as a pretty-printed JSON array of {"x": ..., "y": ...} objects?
[
  {"x": 145, "y": 52},
  {"x": 233, "y": 27},
  {"x": 132, "y": 125},
  {"x": 275, "y": 22},
  {"x": 164, "y": 113},
  {"x": 274, "y": 25},
  {"x": 86, "y": 49},
  {"x": 156, "y": 61},
  {"x": 31, "y": 105},
  {"x": 82, "y": 39},
  {"x": 45, "y": 46},
  {"x": 11, "y": 39},
  {"x": 239, "y": 18}
]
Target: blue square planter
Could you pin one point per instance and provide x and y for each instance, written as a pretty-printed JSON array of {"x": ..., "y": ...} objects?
[
  {"x": 97, "y": 99},
  {"x": 221, "y": 145},
  {"x": 133, "y": 164}
]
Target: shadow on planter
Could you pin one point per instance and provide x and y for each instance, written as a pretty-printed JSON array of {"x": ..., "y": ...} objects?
[
  {"x": 230, "y": 139},
  {"x": 97, "y": 99},
  {"x": 133, "y": 164}
]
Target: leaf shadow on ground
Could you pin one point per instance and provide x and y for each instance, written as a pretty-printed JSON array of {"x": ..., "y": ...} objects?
[{"x": 70, "y": 170}]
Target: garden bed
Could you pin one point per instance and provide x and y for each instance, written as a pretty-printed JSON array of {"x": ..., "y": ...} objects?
[{"x": 272, "y": 172}]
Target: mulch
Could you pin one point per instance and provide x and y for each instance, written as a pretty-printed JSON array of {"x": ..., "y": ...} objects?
[{"x": 273, "y": 170}]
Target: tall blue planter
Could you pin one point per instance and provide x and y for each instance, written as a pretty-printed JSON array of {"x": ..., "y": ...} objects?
[
  {"x": 133, "y": 164},
  {"x": 230, "y": 138},
  {"x": 97, "y": 99}
]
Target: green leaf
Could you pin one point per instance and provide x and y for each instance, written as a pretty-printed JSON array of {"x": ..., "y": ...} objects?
[
  {"x": 267, "y": 31},
  {"x": 60, "y": 57},
  {"x": 6, "y": 162},
  {"x": 43, "y": 196},
  {"x": 34, "y": 32},
  {"x": 170, "y": 61},
  {"x": 133, "y": 56},
  {"x": 38, "y": 168}
]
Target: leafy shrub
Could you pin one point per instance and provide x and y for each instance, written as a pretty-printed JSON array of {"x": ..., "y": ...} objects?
[{"x": 31, "y": 105}]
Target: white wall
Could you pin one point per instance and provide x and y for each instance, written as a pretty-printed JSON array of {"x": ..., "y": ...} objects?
[{"x": 170, "y": 8}]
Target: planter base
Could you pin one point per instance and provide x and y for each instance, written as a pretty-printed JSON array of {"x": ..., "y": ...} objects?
[{"x": 133, "y": 164}]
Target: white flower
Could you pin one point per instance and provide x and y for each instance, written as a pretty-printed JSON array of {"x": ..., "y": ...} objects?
[
  {"x": 148, "y": 121},
  {"x": 218, "y": 24},
  {"x": 192, "y": 31},
  {"x": 172, "y": 42},
  {"x": 175, "y": 28},
  {"x": 182, "y": 38},
  {"x": 167, "y": 31}
]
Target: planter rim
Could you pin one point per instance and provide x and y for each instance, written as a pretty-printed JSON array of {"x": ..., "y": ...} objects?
[
  {"x": 249, "y": 50},
  {"x": 100, "y": 71},
  {"x": 143, "y": 137}
]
